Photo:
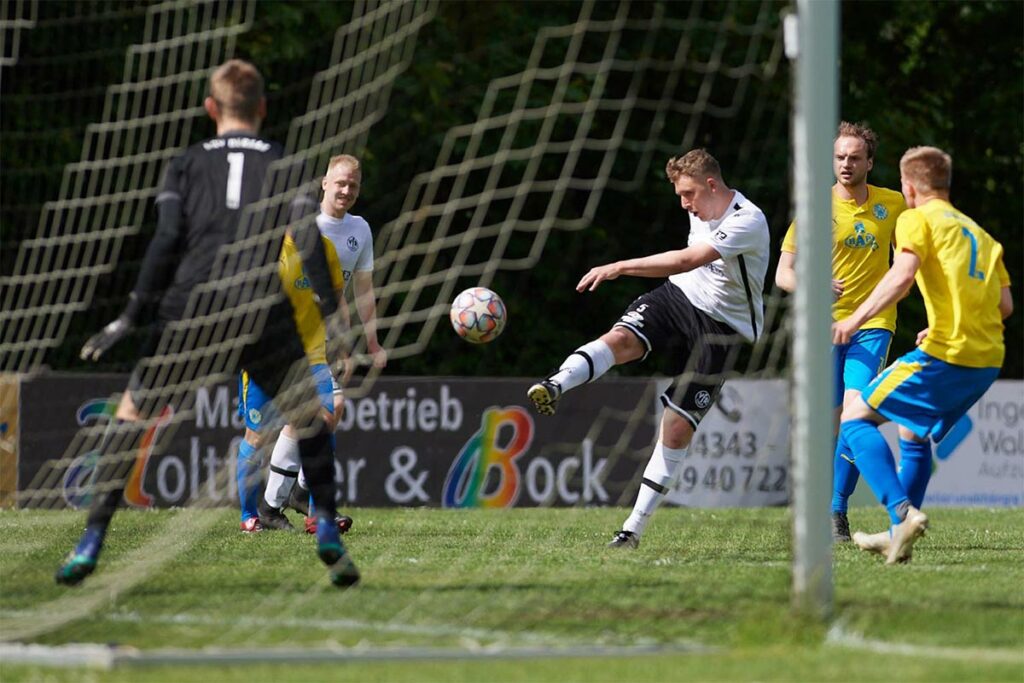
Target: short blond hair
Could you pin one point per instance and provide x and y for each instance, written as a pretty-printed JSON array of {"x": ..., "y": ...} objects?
[
  {"x": 237, "y": 88},
  {"x": 861, "y": 132},
  {"x": 346, "y": 159},
  {"x": 927, "y": 168},
  {"x": 696, "y": 163}
]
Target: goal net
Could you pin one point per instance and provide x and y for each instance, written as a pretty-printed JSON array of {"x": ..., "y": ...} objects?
[{"x": 549, "y": 162}]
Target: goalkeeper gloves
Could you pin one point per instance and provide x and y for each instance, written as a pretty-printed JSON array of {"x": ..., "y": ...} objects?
[{"x": 100, "y": 343}]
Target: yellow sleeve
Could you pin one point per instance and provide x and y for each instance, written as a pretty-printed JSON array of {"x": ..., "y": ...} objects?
[
  {"x": 333, "y": 264},
  {"x": 789, "y": 241},
  {"x": 1004, "y": 275},
  {"x": 912, "y": 233}
]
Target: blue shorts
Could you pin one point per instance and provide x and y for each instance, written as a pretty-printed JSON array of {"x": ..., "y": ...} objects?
[
  {"x": 254, "y": 404},
  {"x": 927, "y": 395},
  {"x": 854, "y": 365}
]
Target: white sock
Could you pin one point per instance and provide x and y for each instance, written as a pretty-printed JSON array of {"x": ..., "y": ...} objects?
[
  {"x": 658, "y": 475},
  {"x": 586, "y": 364},
  {"x": 284, "y": 468}
]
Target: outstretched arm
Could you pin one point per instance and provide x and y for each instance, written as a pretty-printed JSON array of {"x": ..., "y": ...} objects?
[
  {"x": 657, "y": 265},
  {"x": 893, "y": 286}
]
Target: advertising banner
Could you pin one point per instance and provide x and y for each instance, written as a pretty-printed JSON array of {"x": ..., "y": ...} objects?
[{"x": 465, "y": 443}]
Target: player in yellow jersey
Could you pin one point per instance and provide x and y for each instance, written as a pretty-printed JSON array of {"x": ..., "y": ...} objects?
[
  {"x": 863, "y": 220},
  {"x": 966, "y": 288},
  {"x": 253, "y": 401}
]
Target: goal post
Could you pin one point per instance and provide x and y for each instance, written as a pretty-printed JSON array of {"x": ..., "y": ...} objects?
[{"x": 812, "y": 38}]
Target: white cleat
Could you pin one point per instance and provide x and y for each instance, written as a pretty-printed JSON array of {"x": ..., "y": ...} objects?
[
  {"x": 904, "y": 535},
  {"x": 873, "y": 543}
]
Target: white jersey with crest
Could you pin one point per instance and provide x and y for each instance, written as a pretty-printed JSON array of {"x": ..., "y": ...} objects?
[
  {"x": 352, "y": 239},
  {"x": 730, "y": 289}
]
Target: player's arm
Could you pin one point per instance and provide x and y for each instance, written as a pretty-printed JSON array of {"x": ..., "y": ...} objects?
[
  {"x": 785, "y": 273},
  {"x": 893, "y": 286},
  {"x": 158, "y": 266},
  {"x": 1005, "y": 302},
  {"x": 366, "y": 306},
  {"x": 657, "y": 265}
]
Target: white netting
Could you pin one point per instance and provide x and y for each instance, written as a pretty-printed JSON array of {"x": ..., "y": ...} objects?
[{"x": 598, "y": 107}]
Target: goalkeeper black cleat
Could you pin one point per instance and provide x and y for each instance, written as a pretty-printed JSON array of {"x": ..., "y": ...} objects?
[
  {"x": 545, "y": 395},
  {"x": 273, "y": 518},
  {"x": 340, "y": 567},
  {"x": 625, "y": 539},
  {"x": 74, "y": 569}
]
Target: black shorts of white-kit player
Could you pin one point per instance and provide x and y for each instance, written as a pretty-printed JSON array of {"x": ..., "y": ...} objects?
[{"x": 687, "y": 343}]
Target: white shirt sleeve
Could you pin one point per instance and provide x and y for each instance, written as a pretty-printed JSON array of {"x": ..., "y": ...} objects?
[
  {"x": 365, "y": 261},
  {"x": 740, "y": 233}
]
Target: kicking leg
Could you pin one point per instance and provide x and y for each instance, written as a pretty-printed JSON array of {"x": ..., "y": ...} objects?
[{"x": 586, "y": 364}]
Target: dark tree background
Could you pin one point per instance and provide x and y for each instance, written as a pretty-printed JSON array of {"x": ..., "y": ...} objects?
[{"x": 949, "y": 74}]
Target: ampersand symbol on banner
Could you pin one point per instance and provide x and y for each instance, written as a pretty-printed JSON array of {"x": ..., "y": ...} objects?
[{"x": 403, "y": 460}]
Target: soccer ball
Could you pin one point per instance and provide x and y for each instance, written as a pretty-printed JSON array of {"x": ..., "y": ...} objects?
[{"x": 478, "y": 315}]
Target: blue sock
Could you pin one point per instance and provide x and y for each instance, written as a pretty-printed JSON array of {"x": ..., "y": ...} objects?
[
  {"x": 915, "y": 469},
  {"x": 249, "y": 479},
  {"x": 92, "y": 541},
  {"x": 844, "y": 476},
  {"x": 874, "y": 459}
]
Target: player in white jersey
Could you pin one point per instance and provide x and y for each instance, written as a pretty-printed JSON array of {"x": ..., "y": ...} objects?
[
  {"x": 692, "y": 324},
  {"x": 353, "y": 243}
]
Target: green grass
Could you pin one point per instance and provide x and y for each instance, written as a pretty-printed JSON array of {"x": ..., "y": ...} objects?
[{"x": 717, "y": 579}]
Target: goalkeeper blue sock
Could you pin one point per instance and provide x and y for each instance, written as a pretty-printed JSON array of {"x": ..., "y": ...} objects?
[
  {"x": 91, "y": 542},
  {"x": 915, "y": 469},
  {"x": 874, "y": 459},
  {"x": 844, "y": 476},
  {"x": 249, "y": 479}
]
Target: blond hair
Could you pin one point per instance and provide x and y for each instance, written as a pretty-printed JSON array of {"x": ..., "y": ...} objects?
[
  {"x": 347, "y": 159},
  {"x": 861, "y": 132},
  {"x": 697, "y": 164},
  {"x": 237, "y": 88},
  {"x": 928, "y": 169}
]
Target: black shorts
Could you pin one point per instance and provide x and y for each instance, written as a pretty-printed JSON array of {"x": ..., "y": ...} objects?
[{"x": 686, "y": 343}]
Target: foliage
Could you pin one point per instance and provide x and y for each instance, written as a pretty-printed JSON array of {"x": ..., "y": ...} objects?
[{"x": 919, "y": 72}]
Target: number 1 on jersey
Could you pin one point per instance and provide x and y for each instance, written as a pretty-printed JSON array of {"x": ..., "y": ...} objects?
[
  {"x": 233, "y": 196},
  {"x": 973, "y": 268}
]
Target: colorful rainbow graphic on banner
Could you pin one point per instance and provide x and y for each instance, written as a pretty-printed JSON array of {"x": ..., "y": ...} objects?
[
  {"x": 79, "y": 475},
  {"x": 464, "y": 486}
]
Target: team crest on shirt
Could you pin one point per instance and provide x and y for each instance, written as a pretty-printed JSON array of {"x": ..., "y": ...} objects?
[
  {"x": 881, "y": 213},
  {"x": 255, "y": 416},
  {"x": 702, "y": 399},
  {"x": 302, "y": 282},
  {"x": 861, "y": 239},
  {"x": 352, "y": 243}
]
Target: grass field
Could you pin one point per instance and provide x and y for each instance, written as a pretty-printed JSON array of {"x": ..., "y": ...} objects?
[{"x": 710, "y": 588}]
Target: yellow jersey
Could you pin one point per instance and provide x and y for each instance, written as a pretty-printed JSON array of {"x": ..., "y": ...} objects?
[
  {"x": 861, "y": 243},
  {"x": 299, "y": 290},
  {"x": 960, "y": 278}
]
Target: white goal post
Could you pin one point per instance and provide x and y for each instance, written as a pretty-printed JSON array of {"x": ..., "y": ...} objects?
[{"x": 812, "y": 38}]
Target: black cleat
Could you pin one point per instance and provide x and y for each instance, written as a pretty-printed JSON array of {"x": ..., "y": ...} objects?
[
  {"x": 625, "y": 539},
  {"x": 840, "y": 528},
  {"x": 75, "y": 568},
  {"x": 545, "y": 395},
  {"x": 298, "y": 499},
  {"x": 273, "y": 518}
]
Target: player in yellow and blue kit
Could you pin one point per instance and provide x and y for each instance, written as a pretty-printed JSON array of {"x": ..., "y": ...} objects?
[
  {"x": 253, "y": 401},
  {"x": 863, "y": 220},
  {"x": 966, "y": 288}
]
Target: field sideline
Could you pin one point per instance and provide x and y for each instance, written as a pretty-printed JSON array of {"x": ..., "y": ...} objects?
[{"x": 708, "y": 589}]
